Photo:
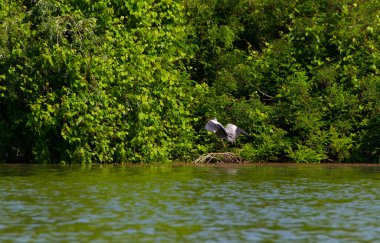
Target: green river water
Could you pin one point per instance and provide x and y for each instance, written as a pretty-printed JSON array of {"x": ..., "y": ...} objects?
[{"x": 189, "y": 203}]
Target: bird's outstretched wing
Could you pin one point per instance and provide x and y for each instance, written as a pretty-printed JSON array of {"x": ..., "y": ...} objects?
[
  {"x": 217, "y": 128},
  {"x": 213, "y": 126}
]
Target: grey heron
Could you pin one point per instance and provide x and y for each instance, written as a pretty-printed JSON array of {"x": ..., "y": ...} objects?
[{"x": 229, "y": 133}]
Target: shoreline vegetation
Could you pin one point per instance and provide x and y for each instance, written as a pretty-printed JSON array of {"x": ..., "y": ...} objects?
[
  {"x": 158, "y": 165},
  {"x": 113, "y": 81}
]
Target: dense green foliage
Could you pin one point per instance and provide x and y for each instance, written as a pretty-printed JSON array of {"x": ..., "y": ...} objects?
[
  {"x": 95, "y": 82},
  {"x": 117, "y": 81}
]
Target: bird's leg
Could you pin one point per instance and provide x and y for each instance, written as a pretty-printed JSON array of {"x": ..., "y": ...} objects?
[{"x": 224, "y": 146}]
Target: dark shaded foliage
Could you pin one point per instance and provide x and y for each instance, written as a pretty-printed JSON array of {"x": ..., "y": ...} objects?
[{"x": 302, "y": 76}]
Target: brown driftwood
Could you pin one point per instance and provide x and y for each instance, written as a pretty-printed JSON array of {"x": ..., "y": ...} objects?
[{"x": 218, "y": 158}]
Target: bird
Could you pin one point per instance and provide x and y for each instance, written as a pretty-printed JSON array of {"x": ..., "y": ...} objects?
[{"x": 229, "y": 133}]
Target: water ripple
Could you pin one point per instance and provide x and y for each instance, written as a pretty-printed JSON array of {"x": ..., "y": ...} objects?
[{"x": 187, "y": 204}]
